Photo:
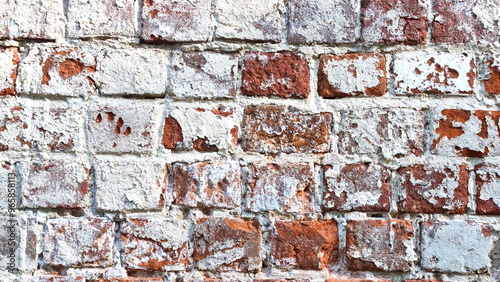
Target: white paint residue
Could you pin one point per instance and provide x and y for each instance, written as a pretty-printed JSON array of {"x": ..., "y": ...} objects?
[{"x": 341, "y": 77}]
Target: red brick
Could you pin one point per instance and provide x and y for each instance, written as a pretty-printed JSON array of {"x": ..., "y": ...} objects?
[
  {"x": 176, "y": 21},
  {"x": 9, "y": 60},
  {"x": 356, "y": 280},
  {"x": 487, "y": 181},
  {"x": 389, "y": 132},
  {"x": 424, "y": 280},
  {"x": 394, "y": 21},
  {"x": 58, "y": 71},
  {"x": 55, "y": 184},
  {"x": 207, "y": 185},
  {"x": 322, "y": 21},
  {"x": 433, "y": 189},
  {"x": 460, "y": 22},
  {"x": 227, "y": 244},
  {"x": 492, "y": 83},
  {"x": 78, "y": 242},
  {"x": 380, "y": 245},
  {"x": 57, "y": 278},
  {"x": 131, "y": 279},
  {"x": 466, "y": 133},
  {"x": 356, "y": 187},
  {"x": 287, "y": 187},
  {"x": 304, "y": 244},
  {"x": 281, "y": 280},
  {"x": 101, "y": 18},
  {"x": 437, "y": 73},
  {"x": 158, "y": 245},
  {"x": 210, "y": 129},
  {"x": 351, "y": 75},
  {"x": 272, "y": 129},
  {"x": 122, "y": 126},
  {"x": 275, "y": 74}
]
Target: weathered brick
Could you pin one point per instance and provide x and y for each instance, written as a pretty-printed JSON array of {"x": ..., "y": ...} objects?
[
  {"x": 400, "y": 21},
  {"x": 355, "y": 280},
  {"x": 9, "y": 60},
  {"x": 54, "y": 126},
  {"x": 54, "y": 184},
  {"x": 455, "y": 246},
  {"x": 57, "y": 278},
  {"x": 423, "y": 280},
  {"x": 468, "y": 133},
  {"x": 272, "y": 129},
  {"x": 123, "y": 126},
  {"x": 380, "y": 245},
  {"x": 356, "y": 187},
  {"x": 281, "y": 280},
  {"x": 468, "y": 21},
  {"x": 45, "y": 21},
  {"x": 204, "y": 130},
  {"x": 433, "y": 73},
  {"x": 133, "y": 71},
  {"x": 204, "y": 75},
  {"x": 321, "y": 21},
  {"x": 176, "y": 21},
  {"x": 131, "y": 279},
  {"x": 57, "y": 71},
  {"x": 391, "y": 132},
  {"x": 4, "y": 19},
  {"x": 427, "y": 188},
  {"x": 487, "y": 181},
  {"x": 304, "y": 244},
  {"x": 286, "y": 187},
  {"x": 275, "y": 74},
  {"x": 492, "y": 82},
  {"x": 78, "y": 242},
  {"x": 207, "y": 185},
  {"x": 101, "y": 18},
  {"x": 351, "y": 75},
  {"x": 159, "y": 245},
  {"x": 252, "y": 21},
  {"x": 127, "y": 184},
  {"x": 227, "y": 244},
  {"x": 23, "y": 255}
]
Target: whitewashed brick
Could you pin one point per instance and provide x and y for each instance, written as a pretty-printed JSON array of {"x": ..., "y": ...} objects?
[
  {"x": 133, "y": 72},
  {"x": 125, "y": 184},
  {"x": 248, "y": 20},
  {"x": 36, "y": 19},
  {"x": 9, "y": 60},
  {"x": 204, "y": 75},
  {"x": 22, "y": 231},
  {"x": 101, "y": 18}
]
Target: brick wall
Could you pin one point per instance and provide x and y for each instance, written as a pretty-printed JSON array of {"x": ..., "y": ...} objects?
[{"x": 243, "y": 140}]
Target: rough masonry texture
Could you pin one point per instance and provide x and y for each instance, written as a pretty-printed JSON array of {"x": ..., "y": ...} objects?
[{"x": 252, "y": 141}]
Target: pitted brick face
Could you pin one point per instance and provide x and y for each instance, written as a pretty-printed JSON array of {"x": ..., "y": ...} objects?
[
  {"x": 227, "y": 244},
  {"x": 380, "y": 245},
  {"x": 287, "y": 187},
  {"x": 154, "y": 245},
  {"x": 131, "y": 279},
  {"x": 9, "y": 60},
  {"x": 356, "y": 187},
  {"x": 176, "y": 21},
  {"x": 207, "y": 185},
  {"x": 58, "y": 278},
  {"x": 275, "y": 74},
  {"x": 394, "y": 21},
  {"x": 466, "y": 133},
  {"x": 313, "y": 21},
  {"x": 272, "y": 129},
  {"x": 433, "y": 189},
  {"x": 304, "y": 244},
  {"x": 434, "y": 73},
  {"x": 101, "y": 18},
  {"x": 78, "y": 242},
  {"x": 487, "y": 182},
  {"x": 388, "y": 132},
  {"x": 280, "y": 280},
  {"x": 470, "y": 21},
  {"x": 351, "y": 75},
  {"x": 355, "y": 280},
  {"x": 61, "y": 72},
  {"x": 56, "y": 184}
]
